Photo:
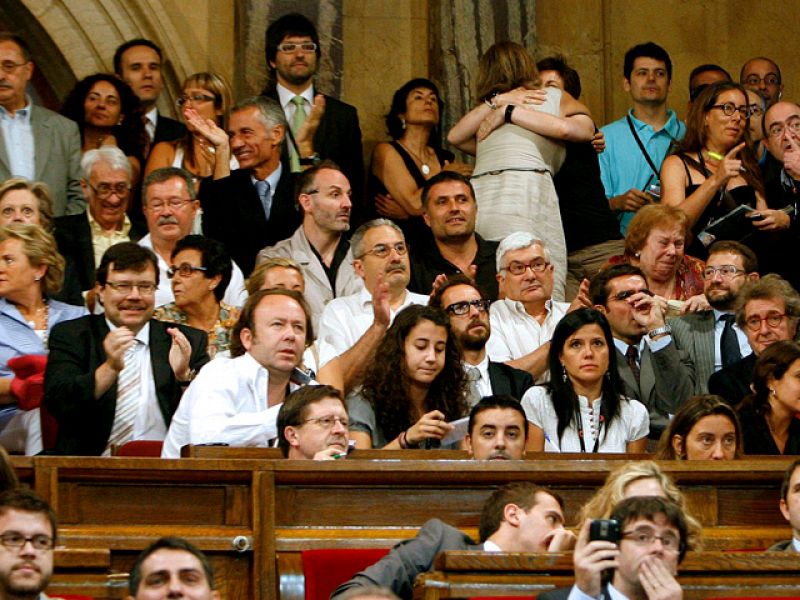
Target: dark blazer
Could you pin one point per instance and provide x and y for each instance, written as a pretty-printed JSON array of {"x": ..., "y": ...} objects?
[
  {"x": 74, "y": 239},
  {"x": 733, "y": 382},
  {"x": 398, "y": 569},
  {"x": 232, "y": 214},
  {"x": 76, "y": 351},
  {"x": 508, "y": 380},
  {"x": 168, "y": 130}
]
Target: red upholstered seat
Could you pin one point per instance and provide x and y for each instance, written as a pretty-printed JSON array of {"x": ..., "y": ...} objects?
[
  {"x": 71, "y": 597},
  {"x": 140, "y": 448},
  {"x": 325, "y": 570}
]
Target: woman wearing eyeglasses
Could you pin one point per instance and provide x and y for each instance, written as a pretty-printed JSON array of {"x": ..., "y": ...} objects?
[
  {"x": 414, "y": 387},
  {"x": 582, "y": 408},
  {"x": 200, "y": 273},
  {"x": 769, "y": 424},
  {"x": 713, "y": 171},
  {"x": 205, "y": 151}
]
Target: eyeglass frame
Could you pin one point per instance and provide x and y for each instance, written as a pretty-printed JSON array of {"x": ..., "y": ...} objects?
[
  {"x": 743, "y": 110},
  {"x": 194, "y": 99},
  {"x": 125, "y": 287},
  {"x": 751, "y": 325},
  {"x": 330, "y": 420},
  {"x": 714, "y": 270},
  {"x": 181, "y": 269},
  {"x": 754, "y": 79},
  {"x": 9, "y": 66},
  {"x": 402, "y": 248},
  {"x": 115, "y": 189},
  {"x": 536, "y": 266},
  {"x": 651, "y": 535},
  {"x": 482, "y": 305},
  {"x": 304, "y": 47},
  {"x": 49, "y": 542},
  {"x": 792, "y": 123},
  {"x": 173, "y": 203}
]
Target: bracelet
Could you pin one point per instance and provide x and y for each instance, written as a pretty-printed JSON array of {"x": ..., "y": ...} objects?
[
  {"x": 509, "y": 109},
  {"x": 489, "y": 100}
]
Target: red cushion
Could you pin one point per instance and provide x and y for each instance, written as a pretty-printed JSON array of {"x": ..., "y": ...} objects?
[
  {"x": 28, "y": 383},
  {"x": 71, "y": 597},
  {"x": 49, "y": 428},
  {"x": 325, "y": 570},
  {"x": 140, "y": 448}
]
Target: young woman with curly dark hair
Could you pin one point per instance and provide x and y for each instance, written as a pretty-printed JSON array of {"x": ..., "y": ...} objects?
[{"x": 414, "y": 387}]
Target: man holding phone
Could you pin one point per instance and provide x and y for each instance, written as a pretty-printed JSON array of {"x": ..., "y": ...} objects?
[{"x": 641, "y": 563}]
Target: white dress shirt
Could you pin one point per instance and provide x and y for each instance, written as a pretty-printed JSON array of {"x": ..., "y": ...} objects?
[
  {"x": 235, "y": 293},
  {"x": 18, "y": 135},
  {"x": 151, "y": 122},
  {"x": 515, "y": 333},
  {"x": 285, "y": 96},
  {"x": 346, "y": 319},
  {"x": 719, "y": 326},
  {"x": 484, "y": 384},
  {"x": 613, "y": 594}
]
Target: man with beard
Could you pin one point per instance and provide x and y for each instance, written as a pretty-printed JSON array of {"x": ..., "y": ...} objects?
[
  {"x": 468, "y": 309},
  {"x": 27, "y": 537},
  {"x": 497, "y": 429},
  {"x": 319, "y": 245},
  {"x": 712, "y": 339},
  {"x": 449, "y": 209},
  {"x": 312, "y": 424}
]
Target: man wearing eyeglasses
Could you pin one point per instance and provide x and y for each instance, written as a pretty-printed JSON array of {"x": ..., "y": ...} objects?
[
  {"x": 643, "y": 563},
  {"x": 652, "y": 369},
  {"x": 768, "y": 310},
  {"x": 312, "y": 424},
  {"x": 84, "y": 238},
  {"x": 320, "y": 126},
  {"x": 170, "y": 208},
  {"x": 118, "y": 377},
  {"x": 762, "y": 75},
  {"x": 36, "y": 143},
  {"x": 712, "y": 339},
  {"x": 28, "y": 533}
]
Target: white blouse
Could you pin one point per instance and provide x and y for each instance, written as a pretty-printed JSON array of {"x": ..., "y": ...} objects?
[{"x": 631, "y": 424}]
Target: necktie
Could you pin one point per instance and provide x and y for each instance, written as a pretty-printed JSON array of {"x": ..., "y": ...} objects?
[
  {"x": 632, "y": 358},
  {"x": 128, "y": 395},
  {"x": 297, "y": 122},
  {"x": 729, "y": 343},
  {"x": 263, "y": 189},
  {"x": 148, "y": 139},
  {"x": 473, "y": 394}
]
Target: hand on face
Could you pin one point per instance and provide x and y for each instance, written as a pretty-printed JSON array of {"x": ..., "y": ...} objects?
[{"x": 657, "y": 580}]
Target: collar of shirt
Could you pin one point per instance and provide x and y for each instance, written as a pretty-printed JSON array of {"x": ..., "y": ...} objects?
[
  {"x": 285, "y": 96},
  {"x": 23, "y": 114},
  {"x": 489, "y": 546},
  {"x": 152, "y": 122},
  {"x": 99, "y": 231},
  {"x": 787, "y": 181},
  {"x": 142, "y": 336},
  {"x": 482, "y": 366},
  {"x": 672, "y": 126},
  {"x": 623, "y": 347},
  {"x": 519, "y": 307},
  {"x": 272, "y": 179}
]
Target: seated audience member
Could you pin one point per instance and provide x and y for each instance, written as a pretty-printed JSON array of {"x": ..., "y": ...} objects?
[
  {"x": 702, "y": 76},
  {"x": 518, "y": 517},
  {"x": 591, "y": 230},
  {"x": 524, "y": 319},
  {"x": 767, "y": 414},
  {"x": 171, "y": 567},
  {"x": 651, "y": 368},
  {"x": 638, "y": 569},
  {"x": 655, "y": 244},
  {"x": 712, "y": 339},
  {"x": 704, "y": 428},
  {"x": 582, "y": 408},
  {"x": 226, "y": 404},
  {"x": 413, "y": 387},
  {"x": 790, "y": 508},
  {"x": 23, "y": 201},
  {"x": 468, "y": 310},
  {"x": 381, "y": 260},
  {"x": 449, "y": 209},
  {"x": 497, "y": 429},
  {"x": 768, "y": 310},
  {"x": 84, "y": 238},
  {"x": 29, "y": 529},
  {"x": 763, "y": 75},
  {"x": 253, "y": 207},
  {"x": 170, "y": 207},
  {"x": 319, "y": 244},
  {"x": 31, "y": 272},
  {"x": 200, "y": 273},
  {"x": 119, "y": 376},
  {"x": 312, "y": 424},
  {"x": 274, "y": 273}
]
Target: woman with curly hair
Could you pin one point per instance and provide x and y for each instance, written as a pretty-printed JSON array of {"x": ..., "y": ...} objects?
[{"x": 414, "y": 387}]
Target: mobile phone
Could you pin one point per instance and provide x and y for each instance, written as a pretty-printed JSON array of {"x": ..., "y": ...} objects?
[
  {"x": 654, "y": 190},
  {"x": 605, "y": 529},
  {"x": 756, "y": 216}
]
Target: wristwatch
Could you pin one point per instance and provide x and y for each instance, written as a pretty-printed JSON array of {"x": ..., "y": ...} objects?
[
  {"x": 311, "y": 159},
  {"x": 509, "y": 109},
  {"x": 664, "y": 329}
]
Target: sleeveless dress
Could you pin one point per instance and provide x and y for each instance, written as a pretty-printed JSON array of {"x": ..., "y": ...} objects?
[{"x": 513, "y": 181}]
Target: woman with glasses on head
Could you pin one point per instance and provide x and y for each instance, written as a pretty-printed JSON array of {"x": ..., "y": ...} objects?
[
  {"x": 205, "y": 151},
  {"x": 768, "y": 413},
  {"x": 582, "y": 408},
  {"x": 200, "y": 273},
  {"x": 704, "y": 428},
  {"x": 414, "y": 386}
]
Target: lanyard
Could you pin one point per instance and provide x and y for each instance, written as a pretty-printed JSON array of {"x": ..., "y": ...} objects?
[
  {"x": 599, "y": 431},
  {"x": 641, "y": 145}
]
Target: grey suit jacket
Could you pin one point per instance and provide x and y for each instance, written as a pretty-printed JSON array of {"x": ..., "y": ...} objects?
[
  {"x": 666, "y": 381},
  {"x": 318, "y": 288},
  {"x": 694, "y": 335},
  {"x": 57, "y": 160},
  {"x": 398, "y": 569}
]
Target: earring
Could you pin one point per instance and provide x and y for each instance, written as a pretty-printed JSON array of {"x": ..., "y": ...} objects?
[
  {"x": 37, "y": 278},
  {"x": 402, "y": 122},
  {"x": 772, "y": 391},
  {"x": 564, "y": 373}
]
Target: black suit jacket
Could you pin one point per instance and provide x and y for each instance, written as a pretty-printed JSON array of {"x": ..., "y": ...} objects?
[
  {"x": 168, "y": 130},
  {"x": 508, "y": 380},
  {"x": 232, "y": 214},
  {"x": 76, "y": 351},
  {"x": 74, "y": 238},
  {"x": 733, "y": 382}
]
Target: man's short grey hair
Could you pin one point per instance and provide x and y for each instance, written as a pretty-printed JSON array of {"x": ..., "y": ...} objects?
[
  {"x": 368, "y": 592},
  {"x": 518, "y": 241},
  {"x": 165, "y": 174},
  {"x": 111, "y": 155},
  {"x": 357, "y": 239},
  {"x": 269, "y": 110}
]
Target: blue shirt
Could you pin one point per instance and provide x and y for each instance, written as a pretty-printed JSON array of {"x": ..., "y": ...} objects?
[
  {"x": 622, "y": 165},
  {"x": 17, "y": 338},
  {"x": 18, "y": 137}
]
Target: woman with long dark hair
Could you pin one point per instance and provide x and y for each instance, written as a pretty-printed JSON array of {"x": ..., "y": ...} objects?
[
  {"x": 582, "y": 409},
  {"x": 413, "y": 388}
]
